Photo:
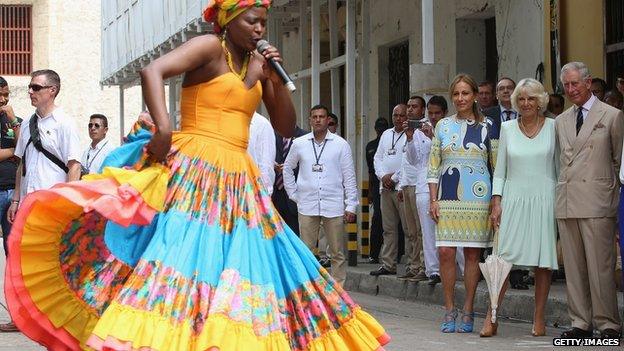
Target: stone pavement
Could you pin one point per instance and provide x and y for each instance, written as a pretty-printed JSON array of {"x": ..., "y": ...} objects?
[
  {"x": 12, "y": 341},
  {"x": 518, "y": 304}
]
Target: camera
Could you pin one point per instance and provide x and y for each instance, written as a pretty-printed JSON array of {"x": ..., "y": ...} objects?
[{"x": 414, "y": 124}]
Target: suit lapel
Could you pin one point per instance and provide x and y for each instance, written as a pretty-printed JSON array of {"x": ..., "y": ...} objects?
[{"x": 593, "y": 117}]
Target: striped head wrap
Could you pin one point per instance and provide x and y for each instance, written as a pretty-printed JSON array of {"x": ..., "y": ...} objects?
[{"x": 221, "y": 12}]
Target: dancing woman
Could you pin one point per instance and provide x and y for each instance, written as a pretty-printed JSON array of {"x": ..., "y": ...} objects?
[{"x": 187, "y": 254}]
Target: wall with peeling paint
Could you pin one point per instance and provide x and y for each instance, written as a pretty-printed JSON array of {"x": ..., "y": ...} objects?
[{"x": 66, "y": 38}]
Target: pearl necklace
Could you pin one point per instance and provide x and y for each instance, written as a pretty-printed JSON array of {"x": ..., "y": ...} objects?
[{"x": 228, "y": 58}]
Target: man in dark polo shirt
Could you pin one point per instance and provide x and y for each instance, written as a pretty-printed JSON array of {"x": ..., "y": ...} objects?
[{"x": 9, "y": 131}]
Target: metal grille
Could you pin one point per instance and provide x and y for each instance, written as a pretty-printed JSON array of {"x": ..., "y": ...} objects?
[
  {"x": 398, "y": 74},
  {"x": 614, "y": 20},
  {"x": 614, "y": 10},
  {"x": 15, "y": 39}
]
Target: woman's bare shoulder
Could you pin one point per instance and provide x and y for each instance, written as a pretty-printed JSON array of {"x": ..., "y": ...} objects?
[{"x": 209, "y": 43}]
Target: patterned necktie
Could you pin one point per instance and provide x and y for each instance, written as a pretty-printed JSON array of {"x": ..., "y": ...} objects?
[
  {"x": 279, "y": 177},
  {"x": 579, "y": 120}
]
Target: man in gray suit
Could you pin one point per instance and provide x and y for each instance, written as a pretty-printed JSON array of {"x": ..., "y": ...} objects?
[{"x": 589, "y": 139}]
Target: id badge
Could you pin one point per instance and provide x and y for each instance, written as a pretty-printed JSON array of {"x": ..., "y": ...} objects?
[
  {"x": 392, "y": 151},
  {"x": 317, "y": 168}
]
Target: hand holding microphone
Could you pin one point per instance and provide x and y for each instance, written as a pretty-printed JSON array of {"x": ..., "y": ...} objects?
[{"x": 273, "y": 58}]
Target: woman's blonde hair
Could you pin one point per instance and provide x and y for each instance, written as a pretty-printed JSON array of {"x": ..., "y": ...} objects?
[
  {"x": 462, "y": 77},
  {"x": 533, "y": 88}
]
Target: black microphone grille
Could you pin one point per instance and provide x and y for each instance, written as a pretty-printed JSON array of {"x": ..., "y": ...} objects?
[{"x": 262, "y": 45}]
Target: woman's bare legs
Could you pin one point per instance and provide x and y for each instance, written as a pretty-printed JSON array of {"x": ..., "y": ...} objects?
[
  {"x": 543, "y": 278},
  {"x": 448, "y": 275}
]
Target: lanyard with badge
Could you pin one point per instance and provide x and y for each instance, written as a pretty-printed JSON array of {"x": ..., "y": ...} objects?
[
  {"x": 94, "y": 156},
  {"x": 317, "y": 167},
  {"x": 392, "y": 151}
]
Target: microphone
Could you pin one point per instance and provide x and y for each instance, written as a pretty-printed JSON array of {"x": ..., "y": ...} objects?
[{"x": 263, "y": 45}]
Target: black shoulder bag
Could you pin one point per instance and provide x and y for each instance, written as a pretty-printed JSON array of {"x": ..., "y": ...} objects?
[{"x": 36, "y": 141}]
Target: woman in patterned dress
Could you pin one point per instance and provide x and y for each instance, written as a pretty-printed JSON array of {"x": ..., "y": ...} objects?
[{"x": 460, "y": 190}]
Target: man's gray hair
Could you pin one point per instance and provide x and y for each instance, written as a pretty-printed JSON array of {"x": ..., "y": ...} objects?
[{"x": 576, "y": 66}]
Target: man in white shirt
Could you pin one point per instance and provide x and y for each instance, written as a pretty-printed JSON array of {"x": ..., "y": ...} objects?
[
  {"x": 387, "y": 163},
  {"x": 58, "y": 136},
  {"x": 261, "y": 147},
  {"x": 99, "y": 148},
  {"x": 325, "y": 190},
  {"x": 408, "y": 179}
]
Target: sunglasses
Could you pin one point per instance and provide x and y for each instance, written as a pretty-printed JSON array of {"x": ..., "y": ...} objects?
[
  {"x": 37, "y": 87},
  {"x": 331, "y": 124},
  {"x": 94, "y": 125}
]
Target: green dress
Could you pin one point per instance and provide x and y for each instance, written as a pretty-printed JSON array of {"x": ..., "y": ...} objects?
[{"x": 525, "y": 178}]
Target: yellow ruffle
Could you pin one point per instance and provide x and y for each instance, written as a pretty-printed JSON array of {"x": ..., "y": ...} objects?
[
  {"x": 149, "y": 329},
  {"x": 151, "y": 182},
  {"x": 41, "y": 270}
]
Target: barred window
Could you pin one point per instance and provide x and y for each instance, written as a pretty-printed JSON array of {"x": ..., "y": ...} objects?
[
  {"x": 15, "y": 39},
  {"x": 614, "y": 20}
]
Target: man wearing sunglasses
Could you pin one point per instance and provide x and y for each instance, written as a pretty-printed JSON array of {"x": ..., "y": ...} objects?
[
  {"x": 51, "y": 155},
  {"x": 100, "y": 146}
]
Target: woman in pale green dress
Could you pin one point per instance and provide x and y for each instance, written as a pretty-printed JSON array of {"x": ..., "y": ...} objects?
[{"x": 523, "y": 195}]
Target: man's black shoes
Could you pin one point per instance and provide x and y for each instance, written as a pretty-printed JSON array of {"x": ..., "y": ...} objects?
[
  {"x": 577, "y": 333},
  {"x": 382, "y": 271}
]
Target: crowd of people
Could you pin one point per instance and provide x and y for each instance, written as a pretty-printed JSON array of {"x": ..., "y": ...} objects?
[{"x": 512, "y": 163}]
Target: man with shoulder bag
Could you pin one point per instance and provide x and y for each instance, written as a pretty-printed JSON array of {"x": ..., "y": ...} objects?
[{"x": 49, "y": 147}]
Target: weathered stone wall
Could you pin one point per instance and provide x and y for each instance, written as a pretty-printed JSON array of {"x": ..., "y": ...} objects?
[{"x": 66, "y": 38}]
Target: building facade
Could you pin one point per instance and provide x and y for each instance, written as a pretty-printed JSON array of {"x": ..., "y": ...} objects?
[{"x": 65, "y": 36}]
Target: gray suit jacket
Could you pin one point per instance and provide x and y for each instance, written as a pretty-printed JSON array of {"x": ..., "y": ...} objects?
[{"x": 588, "y": 184}]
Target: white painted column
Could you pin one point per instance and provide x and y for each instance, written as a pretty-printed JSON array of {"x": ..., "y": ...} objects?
[
  {"x": 121, "y": 113},
  {"x": 304, "y": 104},
  {"x": 333, "y": 53},
  {"x": 316, "y": 53},
  {"x": 427, "y": 31},
  {"x": 350, "y": 120},
  {"x": 364, "y": 87}
]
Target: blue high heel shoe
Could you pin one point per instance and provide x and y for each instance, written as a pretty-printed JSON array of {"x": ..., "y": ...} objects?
[
  {"x": 448, "y": 324},
  {"x": 466, "y": 323}
]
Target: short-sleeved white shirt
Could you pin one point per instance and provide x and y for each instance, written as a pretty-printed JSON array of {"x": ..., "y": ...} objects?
[
  {"x": 93, "y": 157},
  {"x": 59, "y": 136}
]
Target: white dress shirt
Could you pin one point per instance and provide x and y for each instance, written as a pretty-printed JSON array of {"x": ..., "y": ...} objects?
[
  {"x": 328, "y": 193},
  {"x": 59, "y": 136},
  {"x": 417, "y": 155},
  {"x": 503, "y": 114},
  {"x": 408, "y": 173},
  {"x": 261, "y": 147},
  {"x": 389, "y": 155},
  {"x": 586, "y": 106},
  {"x": 93, "y": 157}
]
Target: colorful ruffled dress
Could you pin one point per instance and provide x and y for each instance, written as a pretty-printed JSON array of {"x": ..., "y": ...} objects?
[{"x": 183, "y": 256}]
